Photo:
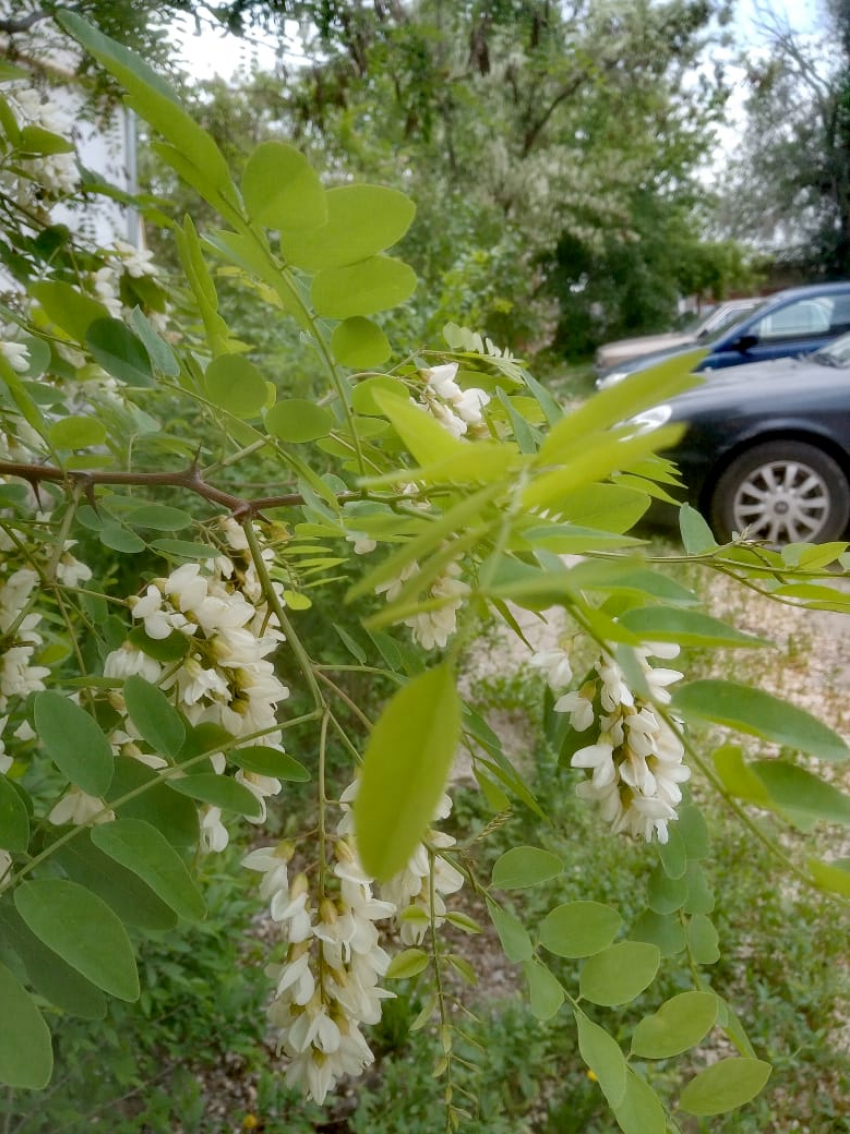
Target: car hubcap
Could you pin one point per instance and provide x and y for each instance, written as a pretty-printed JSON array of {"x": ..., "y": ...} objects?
[{"x": 782, "y": 502}]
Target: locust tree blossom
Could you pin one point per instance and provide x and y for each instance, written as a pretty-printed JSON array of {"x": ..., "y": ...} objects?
[
  {"x": 431, "y": 629},
  {"x": 635, "y": 764},
  {"x": 457, "y": 410},
  {"x": 20, "y": 639}
]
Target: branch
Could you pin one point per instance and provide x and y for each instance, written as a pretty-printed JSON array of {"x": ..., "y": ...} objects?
[{"x": 189, "y": 479}]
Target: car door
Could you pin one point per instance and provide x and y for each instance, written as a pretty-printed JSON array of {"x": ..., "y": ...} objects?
[{"x": 798, "y": 326}]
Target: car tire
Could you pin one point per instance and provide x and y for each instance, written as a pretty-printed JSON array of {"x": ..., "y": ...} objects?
[{"x": 782, "y": 492}]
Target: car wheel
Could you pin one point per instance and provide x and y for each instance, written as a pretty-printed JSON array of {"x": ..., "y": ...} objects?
[{"x": 782, "y": 492}]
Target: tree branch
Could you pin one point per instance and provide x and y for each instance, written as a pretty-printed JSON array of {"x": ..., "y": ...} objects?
[{"x": 189, "y": 479}]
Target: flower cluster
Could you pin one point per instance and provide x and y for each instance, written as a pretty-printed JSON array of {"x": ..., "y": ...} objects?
[
  {"x": 635, "y": 763},
  {"x": 431, "y": 629},
  {"x": 20, "y": 639},
  {"x": 459, "y": 411},
  {"x": 225, "y": 677},
  {"x": 328, "y": 985},
  {"x": 56, "y": 173},
  {"x": 124, "y": 259}
]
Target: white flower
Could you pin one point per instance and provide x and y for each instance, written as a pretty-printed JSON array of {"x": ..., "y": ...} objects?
[
  {"x": 76, "y": 807},
  {"x": 555, "y": 663},
  {"x": 579, "y": 704},
  {"x": 441, "y": 379},
  {"x": 214, "y": 834},
  {"x": 363, "y": 543},
  {"x": 16, "y": 354}
]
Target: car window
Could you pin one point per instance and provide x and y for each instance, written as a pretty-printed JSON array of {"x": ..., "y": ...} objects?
[
  {"x": 839, "y": 319},
  {"x": 796, "y": 320}
]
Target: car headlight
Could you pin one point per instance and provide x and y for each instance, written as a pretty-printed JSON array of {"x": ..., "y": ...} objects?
[
  {"x": 650, "y": 419},
  {"x": 611, "y": 379}
]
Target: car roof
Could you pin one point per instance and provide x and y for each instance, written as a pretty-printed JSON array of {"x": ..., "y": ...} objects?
[{"x": 810, "y": 290}]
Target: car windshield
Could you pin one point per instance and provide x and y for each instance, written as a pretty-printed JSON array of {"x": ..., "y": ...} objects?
[
  {"x": 836, "y": 354},
  {"x": 722, "y": 331}
]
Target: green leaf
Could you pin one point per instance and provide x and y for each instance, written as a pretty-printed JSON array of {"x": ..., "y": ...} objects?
[
  {"x": 800, "y": 793},
  {"x": 579, "y": 929},
  {"x": 160, "y": 518},
  {"x": 544, "y": 989},
  {"x": 404, "y": 771},
  {"x": 512, "y": 933},
  {"x": 664, "y": 931},
  {"x": 172, "y": 814},
  {"x": 282, "y": 190},
  {"x": 169, "y": 649},
  {"x": 140, "y": 848},
  {"x": 408, "y": 963},
  {"x": 724, "y": 1086},
  {"x": 121, "y": 889},
  {"x": 26, "y": 1051},
  {"x": 76, "y": 432},
  {"x": 37, "y": 140},
  {"x": 14, "y": 820},
  {"x": 83, "y": 930},
  {"x": 641, "y": 1111},
  {"x": 269, "y": 762},
  {"x": 68, "y": 308},
  {"x": 686, "y": 628},
  {"x": 664, "y": 894},
  {"x": 121, "y": 353},
  {"x": 679, "y": 1024},
  {"x": 74, "y": 742},
  {"x": 234, "y": 383},
  {"x": 422, "y": 434},
  {"x": 159, "y": 352},
  {"x": 118, "y": 538},
  {"x": 700, "y": 895},
  {"x": 154, "y": 716},
  {"x": 218, "y": 791},
  {"x": 832, "y": 877},
  {"x": 152, "y": 99},
  {"x": 63, "y": 986},
  {"x": 521, "y": 867},
  {"x": 619, "y": 973},
  {"x": 184, "y": 549},
  {"x": 604, "y": 1057},
  {"x": 360, "y": 344},
  {"x": 362, "y": 220},
  {"x": 758, "y": 713},
  {"x": 608, "y": 507},
  {"x": 365, "y": 288},
  {"x": 673, "y": 854},
  {"x": 296, "y": 420},
  {"x": 703, "y": 940},
  {"x": 363, "y": 399},
  {"x": 737, "y": 776},
  {"x": 697, "y": 537},
  {"x": 608, "y": 408}
]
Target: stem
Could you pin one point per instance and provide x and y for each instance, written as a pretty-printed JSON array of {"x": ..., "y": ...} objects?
[
  {"x": 301, "y": 655},
  {"x": 358, "y": 712}
]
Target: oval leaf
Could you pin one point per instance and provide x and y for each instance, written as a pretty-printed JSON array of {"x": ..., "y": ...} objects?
[
  {"x": 724, "y": 1086},
  {"x": 26, "y": 1052},
  {"x": 140, "y": 848},
  {"x": 665, "y": 894},
  {"x": 234, "y": 383},
  {"x": 619, "y": 973},
  {"x": 603, "y": 1056},
  {"x": 154, "y": 716},
  {"x": 77, "y": 432},
  {"x": 296, "y": 420},
  {"x": 68, "y": 308},
  {"x": 405, "y": 769},
  {"x": 579, "y": 929},
  {"x": 74, "y": 742},
  {"x": 544, "y": 990},
  {"x": 372, "y": 285},
  {"x": 758, "y": 713},
  {"x": 512, "y": 933},
  {"x": 362, "y": 220},
  {"x": 703, "y": 940},
  {"x": 83, "y": 930},
  {"x": 14, "y": 820},
  {"x": 159, "y": 517},
  {"x": 641, "y": 1111},
  {"x": 679, "y": 1024},
  {"x": 360, "y": 343},
  {"x": 121, "y": 353},
  {"x": 219, "y": 791},
  {"x": 282, "y": 190},
  {"x": 408, "y": 963},
  {"x": 269, "y": 762},
  {"x": 521, "y": 867},
  {"x": 175, "y": 816}
]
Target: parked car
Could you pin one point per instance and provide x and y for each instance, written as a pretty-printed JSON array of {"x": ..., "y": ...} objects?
[
  {"x": 767, "y": 448},
  {"x": 611, "y": 355},
  {"x": 793, "y": 322}
]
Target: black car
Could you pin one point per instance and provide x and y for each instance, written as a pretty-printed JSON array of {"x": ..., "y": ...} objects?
[
  {"x": 767, "y": 448},
  {"x": 792, "y": 322}
]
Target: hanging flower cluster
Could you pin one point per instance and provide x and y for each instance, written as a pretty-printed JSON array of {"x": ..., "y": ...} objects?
[
  {"x": 328, "y": 986},
  {"x": 459, "y": 411},
  {"x": 431, "y": 629},
  {"x": 225, "y": 677},
  {"x": 635, "y": 765},
  {"x": 19, "y": 639},
  {"x": 54, "y": 173},
  {"x": 123, "y": 259}
]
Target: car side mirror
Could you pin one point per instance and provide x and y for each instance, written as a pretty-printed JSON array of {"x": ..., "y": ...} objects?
[{"x": 744, "y": 343}]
